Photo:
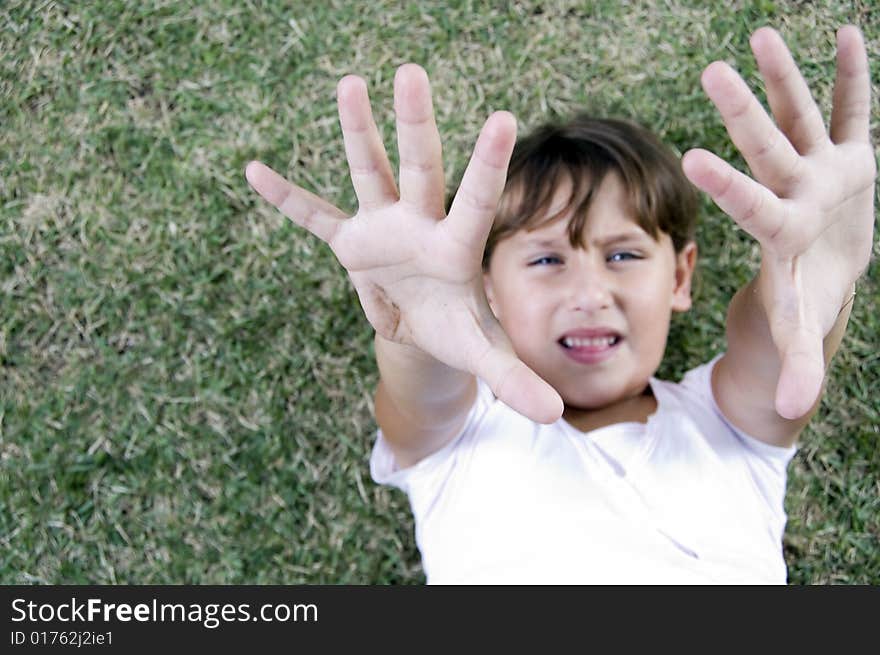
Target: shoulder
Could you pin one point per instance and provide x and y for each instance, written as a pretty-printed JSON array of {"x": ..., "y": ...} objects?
[
  {"x": 491, "y": 432},
  {"x": 494, "y": 440},
  {"x": 696, "y": 397},
  {"x": 414, "y": 431},
  {"x": 390, "y": 465}
]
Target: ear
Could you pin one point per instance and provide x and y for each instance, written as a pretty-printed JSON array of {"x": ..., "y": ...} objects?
[
  {"x": 490, "y": 292},
  {"x": 685, "y": 263}
]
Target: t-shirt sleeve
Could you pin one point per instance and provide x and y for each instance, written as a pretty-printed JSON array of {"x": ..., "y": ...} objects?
[
  {"x": 699, "y": 381},
  {"x": 431, "y": 471},
  {"x": 768, "y": 464}
]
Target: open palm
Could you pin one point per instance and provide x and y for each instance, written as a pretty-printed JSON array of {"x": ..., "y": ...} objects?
[
  {"x": 417, "y": 271},
  {"x": 809, "y": 203}
]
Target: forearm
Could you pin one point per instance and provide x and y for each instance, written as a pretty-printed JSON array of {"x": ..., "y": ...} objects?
[
  {"x": 421, "y": 389},
  {"x": 753, "y": 361}
]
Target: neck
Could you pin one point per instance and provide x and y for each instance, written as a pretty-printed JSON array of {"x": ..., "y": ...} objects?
[{"x": 632, "y": 409}]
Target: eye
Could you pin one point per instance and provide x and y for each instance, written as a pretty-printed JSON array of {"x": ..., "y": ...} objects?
[
  {"x": 623, "y": 256},
  {"x": 542, "y": 261}
]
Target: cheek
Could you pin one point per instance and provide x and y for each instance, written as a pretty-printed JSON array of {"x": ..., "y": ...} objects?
[
  {"x": 650, "y": 311},
  {"x": 523, "y": 313},
  {"x": 652, "y": 293}
]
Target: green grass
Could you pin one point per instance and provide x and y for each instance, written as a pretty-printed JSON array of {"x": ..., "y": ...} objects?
[{"x": 186, "y": 377}]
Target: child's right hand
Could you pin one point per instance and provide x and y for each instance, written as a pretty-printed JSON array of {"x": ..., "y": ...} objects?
[{"x": 418, "y": 272}]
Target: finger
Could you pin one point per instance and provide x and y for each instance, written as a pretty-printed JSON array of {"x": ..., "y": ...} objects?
[
  {"x": 368, "y": 164},
  {"x": 851, "y": 113},
  {"x": 772, "y": 159},
  {"x": 476, "y": 200},
  {"x": 305, "y": 209},
  {"x": 518, "y": 386},
  {"x": 754, "y": 208},
  {"x": 790, "y": 99},
  {"x": 801, "y": 375},
  {"x": 418, "y": 141}
]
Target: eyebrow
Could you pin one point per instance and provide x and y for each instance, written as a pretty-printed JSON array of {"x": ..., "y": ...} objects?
[{"x": 607, "y": 241}]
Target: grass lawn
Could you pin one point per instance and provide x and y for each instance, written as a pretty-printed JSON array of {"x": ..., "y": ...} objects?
[{"x": 186, "y": 377}]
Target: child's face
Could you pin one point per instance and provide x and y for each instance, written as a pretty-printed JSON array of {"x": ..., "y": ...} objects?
[{"x": 592, "y": 321}]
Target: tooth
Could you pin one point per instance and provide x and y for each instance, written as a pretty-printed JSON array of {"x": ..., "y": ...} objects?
[{"x": 594, "y": 342}]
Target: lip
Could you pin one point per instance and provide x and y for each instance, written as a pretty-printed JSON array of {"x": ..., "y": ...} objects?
[
  {"x": 591, "y": 354},
  {"x": 590, "y": 333}
]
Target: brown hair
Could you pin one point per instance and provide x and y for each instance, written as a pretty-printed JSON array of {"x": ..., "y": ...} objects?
[{"x": 582, "y": 151}]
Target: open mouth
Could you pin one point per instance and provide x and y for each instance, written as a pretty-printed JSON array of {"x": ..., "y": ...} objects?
[
  {"x": 591, "y": 343},
  {"x": 593, "y": 349}
]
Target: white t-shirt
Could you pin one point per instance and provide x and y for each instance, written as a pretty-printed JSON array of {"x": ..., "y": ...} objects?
[{"x": 683, "y": 498}]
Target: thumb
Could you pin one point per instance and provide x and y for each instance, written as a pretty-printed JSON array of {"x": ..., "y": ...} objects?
[
  {"x": 800, "y": 376},
  {"x": 518, "y": 386}
]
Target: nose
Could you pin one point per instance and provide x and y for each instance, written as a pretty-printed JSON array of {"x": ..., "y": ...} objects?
[{"x": 588, "y": 287}]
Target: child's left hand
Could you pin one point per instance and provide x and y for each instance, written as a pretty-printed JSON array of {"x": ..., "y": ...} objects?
[{"x": 810, "y": 201}]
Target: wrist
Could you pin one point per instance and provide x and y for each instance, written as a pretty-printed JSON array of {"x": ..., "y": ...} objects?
[{"x": 400, "y": 352}]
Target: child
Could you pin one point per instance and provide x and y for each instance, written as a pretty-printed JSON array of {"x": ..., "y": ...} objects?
[{"x": 517, "y": 405}]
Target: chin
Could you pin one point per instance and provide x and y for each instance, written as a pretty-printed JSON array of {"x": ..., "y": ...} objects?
[
  {"x": 599, "y": 398},
  {"x": 588, "y": 401}
]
